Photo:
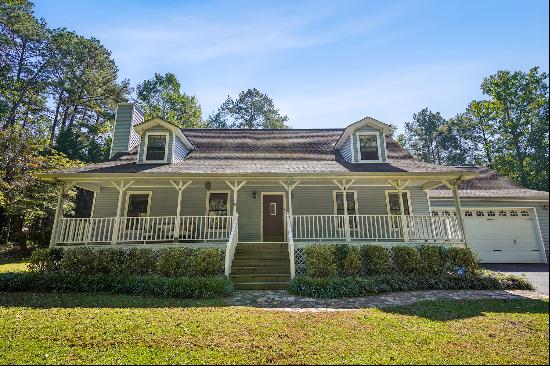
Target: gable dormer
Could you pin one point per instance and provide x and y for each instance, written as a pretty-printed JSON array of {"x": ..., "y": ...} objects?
[
  {"x": 161, "y": 142},
  {"x": 364, "y": 141}
]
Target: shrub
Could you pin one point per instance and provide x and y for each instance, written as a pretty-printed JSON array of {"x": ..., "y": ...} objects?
[
  {"x": 78, "y": 260},
  {"x": 140, "y": 261},
  {"x": 376, "y": 259},
  {"x": 406, "y": 259},
  {"x": 456, "y": 257},
  {"x": 45, "y": 260},
  {"x": 207, "y": 262},
  {"x": 338, "y": 287},
  {"x": 108, "y": 261},
  {"x": 174, "y": 262},
  {"x": 320, "y": 260},
  {"x": 431, "y": 259},
  {"x": 352, "y": 263},
  {"x": 340, "y": 253},
  {"x": 180, "y": 287}
]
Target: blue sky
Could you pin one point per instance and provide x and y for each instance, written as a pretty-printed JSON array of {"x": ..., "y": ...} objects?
[{"x": 325, "y": 63}]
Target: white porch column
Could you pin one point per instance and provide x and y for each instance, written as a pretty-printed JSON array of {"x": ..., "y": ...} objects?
[
  {"x": 121, "y": 187},
  {"x": 179, "y": 186},
  {"x": 63, "y": 189},
  {"x": 453, "y": 186},
  {"x": 404, "y": 221},
  {"x": 344, "y": 187}
]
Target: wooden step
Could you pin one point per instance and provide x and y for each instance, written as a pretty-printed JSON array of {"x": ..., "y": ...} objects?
[
  {"x": 267, "y": 245},
  {"x": 268, "y": 256},
  {"x": 250, "y": 278},
  {"x": 260, "y": 262},
  {"x": 262, "y": 270},
  {"x": 262, "y": 286}
]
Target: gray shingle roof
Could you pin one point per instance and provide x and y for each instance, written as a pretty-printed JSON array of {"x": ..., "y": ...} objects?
[
  {"x": 489, "y": 184},
  {"x": 292, "y": 151}
]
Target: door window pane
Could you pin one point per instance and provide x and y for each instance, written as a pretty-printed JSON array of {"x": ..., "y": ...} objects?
[
  {"x": 352, "y": 209},
  {"x": 393, "y": 201},
  {"x": 368, "y": 147},
  {"x": 156, "y": 147}
]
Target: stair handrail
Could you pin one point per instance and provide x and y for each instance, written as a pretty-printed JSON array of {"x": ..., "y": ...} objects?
[
  {"x": 231, "y": 245},
  {"x": 290, "y": 240}
]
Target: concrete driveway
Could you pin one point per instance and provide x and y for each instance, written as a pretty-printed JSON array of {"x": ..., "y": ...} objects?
[{"x": 536, "y": 273}]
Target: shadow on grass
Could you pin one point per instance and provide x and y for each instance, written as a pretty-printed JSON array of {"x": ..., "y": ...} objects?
[
  {"x": 51, "y": 300},
  {"x": 445, "y": 310}
]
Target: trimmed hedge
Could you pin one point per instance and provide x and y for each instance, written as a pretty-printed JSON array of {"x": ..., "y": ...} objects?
[
  {"x": 168, "y": 262},
  {"x": 339, "y": 287},
  {"x": 325, "y": 260},
  {"x": 151, "y": 285}
]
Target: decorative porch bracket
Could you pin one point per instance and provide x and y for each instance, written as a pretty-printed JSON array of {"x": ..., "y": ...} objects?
[
  {"x": 121, "y": 186},
  {"x": 63, "y": 190},
  {"x": 344, "y": 186},
  {"x": 453, "y": 186},
  {"x": 180, "y": 187},
  {"x": 289, "y": 186},
  {"x": 235, "y": 187},
  {"x": 400, "y": 185}
]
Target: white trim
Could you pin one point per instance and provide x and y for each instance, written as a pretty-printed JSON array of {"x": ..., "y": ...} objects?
[
  {"x": 167, "y": 139},
  {"x": 129, "y": 193},
  {"x": 334, "y": 192},
  {"x": 207, "y": 206},
  {"x": 383, "y": 127},
  {"x": 283, "y": 213},
  {"x": 396, "y": 191},
  {"x": 139, "y": 128},
  {"x": 358, "y": 145}
]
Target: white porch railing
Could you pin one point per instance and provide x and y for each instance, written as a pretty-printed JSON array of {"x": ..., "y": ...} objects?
[
  {"x": 232, "y": 243},
  {"x": 375, "y": 227},
  {"x": 143, "y": 229}
]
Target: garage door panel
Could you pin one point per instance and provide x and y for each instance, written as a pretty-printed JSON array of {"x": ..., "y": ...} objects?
[{"x": 503, "y": 235}]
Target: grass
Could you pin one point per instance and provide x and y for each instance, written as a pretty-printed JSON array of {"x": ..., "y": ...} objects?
[
  {"x": 14, "y": 267},
  {"x": 102, "y": 328}
]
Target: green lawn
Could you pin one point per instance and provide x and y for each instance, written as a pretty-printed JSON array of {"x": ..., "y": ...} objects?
[{"x": 101, "y": 328}]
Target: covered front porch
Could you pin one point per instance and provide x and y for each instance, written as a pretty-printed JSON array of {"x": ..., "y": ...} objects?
[{"x": 221, "y": 212}]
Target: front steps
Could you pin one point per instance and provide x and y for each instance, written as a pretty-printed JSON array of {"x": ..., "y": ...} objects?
[{"x": 261, "y": 266}]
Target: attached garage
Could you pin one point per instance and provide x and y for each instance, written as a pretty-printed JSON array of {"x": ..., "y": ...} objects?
[
  {"x": 505, "y": 222},
  {"x": 502, "y": 235}
]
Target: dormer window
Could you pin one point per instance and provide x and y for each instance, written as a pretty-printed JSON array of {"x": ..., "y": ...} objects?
[
  {"x": 156, "y": 147},
  {"x": 369, "y": 146}
]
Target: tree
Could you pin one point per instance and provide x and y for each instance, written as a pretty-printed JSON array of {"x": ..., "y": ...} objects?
[
  {"x": 520, "y": 102},
  {"x": 252, "y": 109},
  {"x": 161, "y": 97},
  {"x": 25, "y": 64},
  {"x": 85, "y": 93}
]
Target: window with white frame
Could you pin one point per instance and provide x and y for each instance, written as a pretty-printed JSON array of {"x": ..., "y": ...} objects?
[
  {"x": 351, "y": 198},
  {"x": 137, "y": 204},
  {"x": 218, "y": 204},
  {"x": 392, "y": 198},
  {"x": 156, "y": 147},
  {"x": 369, "y": 146}
]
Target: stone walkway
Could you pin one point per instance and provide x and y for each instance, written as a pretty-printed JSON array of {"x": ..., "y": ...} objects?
[{"x": 284, "y": 301}]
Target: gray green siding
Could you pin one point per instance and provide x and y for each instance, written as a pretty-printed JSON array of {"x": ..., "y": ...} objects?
[
  {"x": 307, "y": 201},
  {"x": 180, "y": 152},
  {"x": 153, "y": 130},
  {"x": 542, "y": 214},
  {"x": 345, "y": 150},
  {"x": 124, "y": 136},
  {"x": 355, "y": 145}
]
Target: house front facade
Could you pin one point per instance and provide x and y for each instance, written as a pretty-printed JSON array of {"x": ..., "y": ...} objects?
[{"x": 264, "y": 192}]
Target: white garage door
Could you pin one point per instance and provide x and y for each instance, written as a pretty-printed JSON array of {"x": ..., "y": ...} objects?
[{"x": 502, "y": 235}]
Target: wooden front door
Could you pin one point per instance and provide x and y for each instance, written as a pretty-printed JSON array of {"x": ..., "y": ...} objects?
[{"x": 273, "y": 217}]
